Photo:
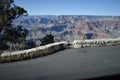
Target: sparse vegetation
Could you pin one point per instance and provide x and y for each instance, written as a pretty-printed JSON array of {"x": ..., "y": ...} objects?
[
  {"x": 30, "y": 44},
  {"x": 49, "y": 38}
]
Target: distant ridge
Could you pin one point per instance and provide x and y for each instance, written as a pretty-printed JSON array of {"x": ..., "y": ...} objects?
[{"x": 70, "y": 27}]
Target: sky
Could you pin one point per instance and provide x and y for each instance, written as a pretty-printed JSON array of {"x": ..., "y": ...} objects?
[{"x": 71, "y": 7}]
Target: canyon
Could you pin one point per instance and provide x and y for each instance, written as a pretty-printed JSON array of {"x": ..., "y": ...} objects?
[{"x": 70, "y": 27}]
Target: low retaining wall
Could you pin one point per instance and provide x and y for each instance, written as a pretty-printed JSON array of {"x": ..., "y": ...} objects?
[
  {"x": 95, "y": 42},
  {"x": 34, "y": 52}
]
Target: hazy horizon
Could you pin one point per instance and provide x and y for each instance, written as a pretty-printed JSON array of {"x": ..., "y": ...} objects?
[{"x": 73, "y": 15}]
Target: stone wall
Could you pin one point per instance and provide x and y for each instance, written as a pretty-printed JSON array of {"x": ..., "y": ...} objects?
[
  {"x": 94, "y": 42},
  {"x": 32, "y": 49}
]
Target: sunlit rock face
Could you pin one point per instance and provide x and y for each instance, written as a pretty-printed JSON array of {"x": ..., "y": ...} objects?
[{"x": 71, "y": 27}]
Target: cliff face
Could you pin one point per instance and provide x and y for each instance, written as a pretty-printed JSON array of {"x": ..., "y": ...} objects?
[{"x": 71, "y": 27}]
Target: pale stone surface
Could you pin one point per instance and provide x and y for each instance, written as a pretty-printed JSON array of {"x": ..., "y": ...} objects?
[
  {"x": 79, "y": 43},
  {"x": 33, "y": 49}
]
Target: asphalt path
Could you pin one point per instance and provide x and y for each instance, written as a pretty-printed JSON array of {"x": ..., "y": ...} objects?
[{"x": 70, "y": 64}]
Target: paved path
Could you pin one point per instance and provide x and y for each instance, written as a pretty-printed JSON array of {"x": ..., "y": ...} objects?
[{"x": 70, "y": 64}]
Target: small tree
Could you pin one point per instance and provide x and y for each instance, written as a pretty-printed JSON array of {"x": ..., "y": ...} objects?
[
  {"x": 30, "y": 44},
  {"x": 8, "y": 32},
  {"x": 49, "y": 38}
]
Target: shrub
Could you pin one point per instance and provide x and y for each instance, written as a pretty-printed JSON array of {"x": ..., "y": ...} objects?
[
  {"x": 30, "y": 44},
  {"x": 49, "y": 38}
]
